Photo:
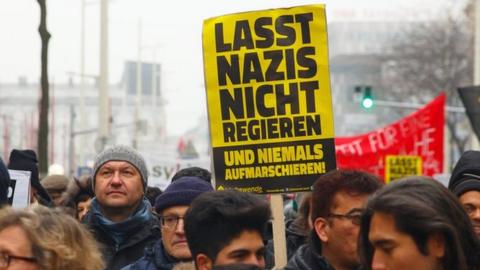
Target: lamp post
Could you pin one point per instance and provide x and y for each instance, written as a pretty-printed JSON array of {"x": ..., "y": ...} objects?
[{"x": 103, "y": 113}]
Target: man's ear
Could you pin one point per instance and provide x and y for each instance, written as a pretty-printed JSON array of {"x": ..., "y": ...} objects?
[
  {"x": 203, "y": 262},
  {"x": 321, "y": 228},
  {"x": 436, "y": 245}
]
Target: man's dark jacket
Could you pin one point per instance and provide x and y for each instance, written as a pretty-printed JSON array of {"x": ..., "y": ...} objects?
[
  {"x": 306, "y": 258},
  {"x": 155, "y": 258},
  {"x": 131, "y": 249}
]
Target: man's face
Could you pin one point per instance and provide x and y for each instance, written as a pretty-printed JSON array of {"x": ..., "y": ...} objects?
[
  {"x": 83, "y": 207},
  {"x": 395, "y": 250},
  {"x": 339, "y": 233},
  {"x": 173, "y": 235},
  {"x": 247, "y": 248},
  {"x": 118, "y": 185},
  {"x": 471, "y": 203},
  {"x": 14, "y": 242}
]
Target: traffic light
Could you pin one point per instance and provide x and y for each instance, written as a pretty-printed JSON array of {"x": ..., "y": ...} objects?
[
  {"x": 363, "y": 95},
  {"x": 367, "y": 100}
]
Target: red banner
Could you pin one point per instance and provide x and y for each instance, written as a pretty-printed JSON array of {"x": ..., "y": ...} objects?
[{"x": 419, "y": 134}]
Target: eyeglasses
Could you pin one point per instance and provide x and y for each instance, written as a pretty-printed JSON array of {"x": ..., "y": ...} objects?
[
  {"x": 170, "y": 222},
  {"x": 355, "y": 218},
  {"x": 6, "y": 258},
  {"x": 470, "y": 209}
]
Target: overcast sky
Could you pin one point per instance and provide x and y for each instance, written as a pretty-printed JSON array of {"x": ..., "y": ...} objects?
[{"x": 172, "y": 27}]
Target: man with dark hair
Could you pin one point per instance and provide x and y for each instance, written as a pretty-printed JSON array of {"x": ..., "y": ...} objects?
[
  {"x": 226, "y": 227},
  {"x": 465, "y": 184},
  {"x": 193, "y": 171},
  {"x": 416, "y": 223},
  {"x": 171, "y": 206},
  {"x": 120, "y": 215},
  {"x": 338, "y": 200}
]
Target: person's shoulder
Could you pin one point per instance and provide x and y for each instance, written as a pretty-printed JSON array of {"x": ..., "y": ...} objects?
[
  {"x": 142, "y": 263},
  {"x": 305, "y": 258}
]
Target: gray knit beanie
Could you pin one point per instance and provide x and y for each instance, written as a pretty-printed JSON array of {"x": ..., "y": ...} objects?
[{"x": 121, "y": 153}]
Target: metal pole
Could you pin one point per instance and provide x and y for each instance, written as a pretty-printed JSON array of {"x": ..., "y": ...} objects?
[
  {"x": 138, "y": 97},
  {"x": 71, "y": 145},
  {"x": 82, "y": 80},
  {"x": 154, "y": 80},
  {"x": 103, "y": 113},
  {"x": 413, "y": 106}
]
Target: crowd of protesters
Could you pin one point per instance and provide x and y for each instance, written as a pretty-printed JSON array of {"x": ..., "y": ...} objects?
[{"x": 112, "y": 219}]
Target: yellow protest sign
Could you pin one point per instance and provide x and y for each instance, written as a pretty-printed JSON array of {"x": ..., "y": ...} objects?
[
  {"x": 269, "y": 100},
  {"x": 401, "y": 166}
]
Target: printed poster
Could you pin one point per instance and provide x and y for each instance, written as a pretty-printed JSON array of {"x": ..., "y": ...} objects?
[{"x": 269, "y": 99}]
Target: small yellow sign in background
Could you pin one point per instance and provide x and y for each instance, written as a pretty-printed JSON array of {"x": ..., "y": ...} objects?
[{"x": 398, "y": 166}]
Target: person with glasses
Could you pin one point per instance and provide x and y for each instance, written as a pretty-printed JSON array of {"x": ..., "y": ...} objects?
[
  {"x": 171, "y": 207},
  {"x": 41, "y": 238},
  {"x": 338, "y": 200},
  {"x": 416, "y": 223}
]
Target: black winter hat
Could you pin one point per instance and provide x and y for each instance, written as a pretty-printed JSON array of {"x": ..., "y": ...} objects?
[
  {"x": 4, "y": 183},
  {"x": 26, "y": 160},
  {"x": 182, "y": 192},
  {"x": 466, "y": 173}
]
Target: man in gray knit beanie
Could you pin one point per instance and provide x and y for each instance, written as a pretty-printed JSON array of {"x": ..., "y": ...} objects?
[
  {"x": 119, "y": 215},
  {"x": 122, "y": 153}
]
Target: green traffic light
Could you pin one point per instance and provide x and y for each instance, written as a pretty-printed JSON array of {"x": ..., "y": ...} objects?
[
  {"x": 367, "y": 103},
  {"x": 367, "y": 100}
]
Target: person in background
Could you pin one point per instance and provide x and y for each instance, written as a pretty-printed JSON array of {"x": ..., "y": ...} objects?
[
  {"x": 171, "y": 207},
  {"x": 120, "y": 215},
  {"x": 465, "y": 184},
  {"x": 193, "y": 171},
  {"x": 225, "y": 228},
  {"x": 4, "y": 183},
  {"x": 78, "y": 195},
  {"x": 55, "y": 185},
  {"x": 416, "y": 223},
  {"x": 338, "y": 201},
  {"x": 41, "y": 238},
  {"x": 152, "y": 194},
  {"x": 26, "y": 160}
]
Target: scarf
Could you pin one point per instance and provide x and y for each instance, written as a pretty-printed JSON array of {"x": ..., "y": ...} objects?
[{"x": 120, "y": 230}]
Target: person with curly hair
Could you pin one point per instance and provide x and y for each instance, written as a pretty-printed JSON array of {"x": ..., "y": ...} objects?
[{"x": 41, "y": 238}]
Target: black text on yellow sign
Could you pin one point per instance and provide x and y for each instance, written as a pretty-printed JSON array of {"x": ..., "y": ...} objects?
[
  {"x": 280, "y": 167},
  {"x": 269, "y": 100},
  {"x": 267, "y": 76},
  {"x": 398, "y": 166}
]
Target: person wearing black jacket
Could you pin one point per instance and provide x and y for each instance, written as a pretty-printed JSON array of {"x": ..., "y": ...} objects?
[
  {"x": 4, "y": 183},
  {"x": 465, "y": 184},
  {"x": 26, "y": 160},
  {"x": 172, "y": 205},
  {"x": 120, "y": 216},
  {"x": 338, "y": 200}
]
